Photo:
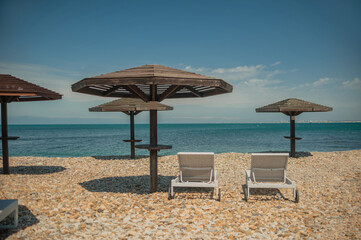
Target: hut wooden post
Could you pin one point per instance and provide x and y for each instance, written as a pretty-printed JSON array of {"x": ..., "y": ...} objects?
[
  {"x": 132, "y": 138},
  {"x": 153, "y": 142},
  {"x": 293, "y": 136},
  {"x": 153, "y": 152},
  {"x": 4, "y": 136}
]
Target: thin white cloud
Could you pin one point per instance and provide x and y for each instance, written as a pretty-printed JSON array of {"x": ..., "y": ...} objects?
[
  {"x": 275, "y": 64},
  {"x": 322, "y": 81},
  {"x": 276, "y": 72},
  {"x": 238, "y": 74},
  {"x": 355, "y": 83},
  {"x": 240, "y": 69},
  {"x": 191, "y": 69},
  {"x": 6, "y": 67},
  {"x": 261, "y": 82}
]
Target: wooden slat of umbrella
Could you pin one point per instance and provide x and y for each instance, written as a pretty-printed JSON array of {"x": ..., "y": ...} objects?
[
  {"x": 13, "y": 89},
  {"x": 293, "y": 107},
  {"x": 152, "y": 83},
  {"x": 134, "y": 83},
  {"x": 18, "y": 90},
  {"x": 131, "y": 107}
]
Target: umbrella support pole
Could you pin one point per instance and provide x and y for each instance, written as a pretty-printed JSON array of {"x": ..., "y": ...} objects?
[
  {"x": 132, "y": 143},
  {"x": 153, "y": 152},
  {"x": 153, "y": 170},
  {"x": 4, "y": 136},
  {"x": 293, "y": 136}
]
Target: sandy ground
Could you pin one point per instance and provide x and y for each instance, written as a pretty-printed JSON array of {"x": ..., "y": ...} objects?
[{"x": 107, "y": 198}]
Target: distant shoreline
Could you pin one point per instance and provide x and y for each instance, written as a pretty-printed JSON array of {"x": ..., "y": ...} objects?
[
  {"x": 32, "y": 124},
  {"x": 138, "y": 156}
]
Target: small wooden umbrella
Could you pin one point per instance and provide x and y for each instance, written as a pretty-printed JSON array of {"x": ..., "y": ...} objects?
[
  {"x": 293, "y": 107},
  {"x": 131, "y": 107},
  {"x": 13, "y": 89},
  {"x": 152, "y": 83}
]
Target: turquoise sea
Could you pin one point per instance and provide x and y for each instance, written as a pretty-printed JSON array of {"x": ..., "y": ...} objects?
[{"x": 106, "y": 140}]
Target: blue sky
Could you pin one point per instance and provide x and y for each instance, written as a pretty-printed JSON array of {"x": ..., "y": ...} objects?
[{"x": 268, "y": 51}]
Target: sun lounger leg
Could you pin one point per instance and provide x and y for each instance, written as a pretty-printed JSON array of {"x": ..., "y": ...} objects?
[
  {"x": 218, "y": 193},
  {"x": 16, "y": 215},
  {"x": 297, "y": 196},
  {"x": 171, "y": 192},
  {"x": 10, "y": 209}
]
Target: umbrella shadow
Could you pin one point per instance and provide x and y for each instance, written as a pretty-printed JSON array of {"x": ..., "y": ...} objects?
[
  {"x": 270, "y": 192},
  {"x": 34, "y": 170},
  {"x": 26, "y": 219},
  {"x": 129, "y": 184},
  {"x": 119, "y": 157},
  {"x": 303, "y": 154},
  {"x": 298, "y": 154}
]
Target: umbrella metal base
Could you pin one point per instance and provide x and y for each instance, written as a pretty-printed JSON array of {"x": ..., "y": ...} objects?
[
  {"x": 153, "y": 147},
  {"x": 10, "y": 138},
  {"x": 130, "y": 140},
  {"x": 295, "y": 138}
]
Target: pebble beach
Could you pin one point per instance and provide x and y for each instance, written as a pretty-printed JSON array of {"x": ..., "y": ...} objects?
[{"x": 106, "y": 197}]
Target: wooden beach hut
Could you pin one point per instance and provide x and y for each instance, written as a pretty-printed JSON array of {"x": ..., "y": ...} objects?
[
  {"x": 13, "y": 89},
  {"x": 152, "y": 83},
  {"x": 293, "y": 107},
  {"x": 131, "y": 107}
]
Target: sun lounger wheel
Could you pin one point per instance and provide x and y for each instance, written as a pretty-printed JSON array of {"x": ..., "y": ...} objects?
[{"x": 297, "y": 196}]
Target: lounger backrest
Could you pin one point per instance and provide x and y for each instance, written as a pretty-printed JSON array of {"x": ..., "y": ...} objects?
[
  {"x": 269, "y": 167},
  {"x": 196, "y": 166}
]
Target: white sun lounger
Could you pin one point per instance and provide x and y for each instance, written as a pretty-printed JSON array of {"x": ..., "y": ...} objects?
[
  {"x": 196, "y": 169},
  {"x": 8, "y": 207},
  {"x": 268, "y": 170}
]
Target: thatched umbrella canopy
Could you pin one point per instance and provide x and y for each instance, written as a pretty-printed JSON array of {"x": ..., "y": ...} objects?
[
  {"x": 13, "y": 89},
  {"x": 131, "y": 107},
  {"x": 293, "y": 107},
  {"x": 152, "y": 83}
]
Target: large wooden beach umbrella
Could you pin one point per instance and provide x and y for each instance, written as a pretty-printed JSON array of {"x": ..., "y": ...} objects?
[
  {"x": 131, "y": 107},
  {"x": 293, "y": 107},
  {"x": 13, "y": 89},
  {"x": 152, "y": 83}
]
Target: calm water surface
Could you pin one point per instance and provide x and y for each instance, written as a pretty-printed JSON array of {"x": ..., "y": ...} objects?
[{"x": 106, "y": 140}]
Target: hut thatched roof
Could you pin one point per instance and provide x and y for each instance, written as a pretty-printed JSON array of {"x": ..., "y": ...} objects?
[
  {"x": 18, "y": 90},
  {"x": 130, "y": 104},
  {"x": 293, "y": 105},
  {"x": 135, "y": 83}
]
